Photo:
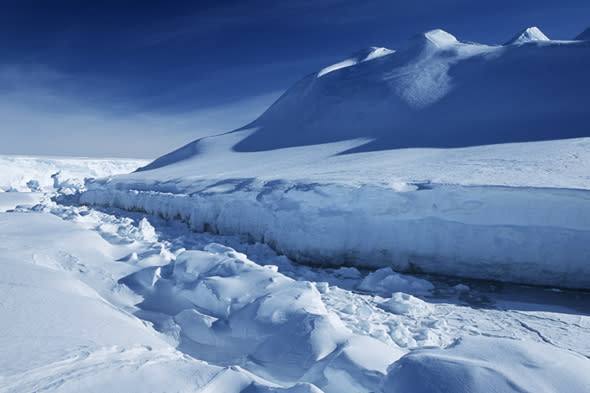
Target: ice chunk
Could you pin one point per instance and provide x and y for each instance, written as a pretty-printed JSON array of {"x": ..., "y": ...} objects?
[
  {"x": 404, "y": 304},
  {"x": 385, "y": 281}
]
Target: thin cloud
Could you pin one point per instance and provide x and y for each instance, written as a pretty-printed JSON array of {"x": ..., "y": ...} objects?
[{"x": 37, "y": 119}]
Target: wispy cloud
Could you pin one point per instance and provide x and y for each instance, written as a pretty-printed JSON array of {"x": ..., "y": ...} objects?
[{"x": 37, "y": 118}]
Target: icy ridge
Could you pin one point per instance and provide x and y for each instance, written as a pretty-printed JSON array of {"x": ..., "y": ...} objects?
[{"x": 477, "y": 232}]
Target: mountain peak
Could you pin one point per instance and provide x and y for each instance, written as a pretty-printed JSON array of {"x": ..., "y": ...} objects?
[
  {"x": 440, "y": 37},
  {"x": 428, "y": 41},
  {"x": 371, "y": 53},
  {"x": 584, "y": 36},
  {"x": 528, "y": 35}
]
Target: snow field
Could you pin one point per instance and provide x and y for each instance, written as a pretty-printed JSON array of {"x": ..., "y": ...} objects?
[{"x": 214, "y": 303}]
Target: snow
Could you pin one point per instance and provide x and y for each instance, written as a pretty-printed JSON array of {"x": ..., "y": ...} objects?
[
  {"x": 59, "y": 334},
  {"x": 10, "y": 200},
  {"x": 359, "y": 57},
  {"x": 21, "y": 173},
  {"x": 438, "y": 37},
  {"x": 529, "y": 34},
  {"x": 127, "y": 301},
  {"x": 482, "y": 364}
]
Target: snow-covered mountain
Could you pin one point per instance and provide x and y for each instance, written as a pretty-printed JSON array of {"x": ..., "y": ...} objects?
[
  {"x": 435, "y": 91},
  {"x": 347, "y": 167}
]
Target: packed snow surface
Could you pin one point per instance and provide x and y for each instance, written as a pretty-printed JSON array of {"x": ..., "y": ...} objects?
[
  {"x": 99, "y": 300},
  {"x": 327, "y": 176}
]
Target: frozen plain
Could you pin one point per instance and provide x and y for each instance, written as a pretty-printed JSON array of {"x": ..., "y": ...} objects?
[{"x": 98, "y": 298}]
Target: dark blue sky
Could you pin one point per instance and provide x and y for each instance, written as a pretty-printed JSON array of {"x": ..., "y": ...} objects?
[{"x": 181, "y": 69}]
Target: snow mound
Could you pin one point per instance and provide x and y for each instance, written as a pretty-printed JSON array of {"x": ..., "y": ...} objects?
[
  {"x": 482, "y": 364},
  {"x": 584, "y": 36},
  {"x": 359, "y": 57},
  {"x": 528, "y": 35},
  {"x": 230, "y": 311}
]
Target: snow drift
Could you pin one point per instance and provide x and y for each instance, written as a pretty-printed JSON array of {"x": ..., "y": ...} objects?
[
  {"x": 484, "y": 364},
  {"x": 325, "y": 174}
]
